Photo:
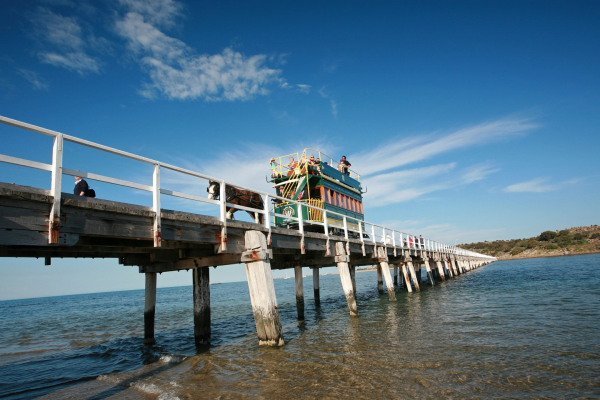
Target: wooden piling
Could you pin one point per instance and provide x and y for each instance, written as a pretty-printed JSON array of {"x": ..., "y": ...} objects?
[
  {"x": 385, "y": 269},
  {"x": 353, "y": 277},
  {"x": 413, "y": 275},
  {"x": 262, "y": 289},
  {"x": 316, "y": 290},
  {"x": 343, "y": 260},
  {"x": 406, "y": 278},
  {"x": 450, "y": 274},
  {"x": 201, "y": 283},
  {"x": 299, "y": 292},
  {"x": 379, "y": 280},
  {"x": 440, "y": 269},
  {"x": 429, "y": 274},
  {"x": 150, "y": 308},
  {"x": 395, "y": 276}
]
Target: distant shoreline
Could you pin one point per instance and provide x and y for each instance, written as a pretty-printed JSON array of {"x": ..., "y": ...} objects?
[
  {"x": 517, "y": 257},
  {"x": 571, "y": 241}
]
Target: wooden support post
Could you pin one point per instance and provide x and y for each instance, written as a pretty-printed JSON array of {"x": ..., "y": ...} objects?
[
  {"x": 406, "y": 278},
  {"x": 385, "y": 269},
  {"x": 395, "y": 275},
  {"x": 150, "y": 308},
  {"x": 454, "y": 267},
  {"x": 418, "y": 273},
  {"x": 316, "y": 291},
  {"x": 342, "y": 260},
  {"x": 262, "y": 289},
  {"x": 429, "y": 274},
  {"x": 450, "y": 274},
  {"x": 299, "y": 292},
  {"x": 201, "y": 279},
  {"x": 379, "y": 280},
  {"x": 353, "y": 277},
  {"x": 413, "y": 275},
  {"x": 440, "y": 269}
]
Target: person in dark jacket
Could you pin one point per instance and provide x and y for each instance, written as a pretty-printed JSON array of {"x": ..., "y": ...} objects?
[
  {"x": 81, "y": 186},
  {"x": 344, "y": 166}
]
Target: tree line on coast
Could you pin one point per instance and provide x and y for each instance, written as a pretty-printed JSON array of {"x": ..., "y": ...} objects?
[{"x": 577, "y": 240}]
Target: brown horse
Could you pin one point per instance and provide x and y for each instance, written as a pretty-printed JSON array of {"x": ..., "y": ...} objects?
[{"x": 240, "y": 197}]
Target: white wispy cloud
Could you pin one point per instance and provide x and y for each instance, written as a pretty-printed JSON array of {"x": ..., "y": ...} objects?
[
  {"x": 65, "y": 42},
  {"x": 388, "y": 183},
  {"x": 303, "y": 88},
  {"x": 34, "y": 79},
  {"x": 477, "y": 173},
  {"x": 406, "y": 151},
  {"x": 157, "y": 12},
  {"x": 333, "y": 105},
  {"x": 174, "y": 68},
  {"x": 405, "y": 185},
  {"x": 539, "y": 185}
]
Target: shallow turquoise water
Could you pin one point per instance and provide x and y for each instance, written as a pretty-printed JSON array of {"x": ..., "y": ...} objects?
[{"x": 513, "y": 329}]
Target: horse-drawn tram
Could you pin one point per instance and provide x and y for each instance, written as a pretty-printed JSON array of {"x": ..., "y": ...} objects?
[{"x": 314, "y": 182}]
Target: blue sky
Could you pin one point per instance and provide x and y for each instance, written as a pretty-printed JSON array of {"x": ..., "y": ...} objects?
[{"x": 468, "y": 120}]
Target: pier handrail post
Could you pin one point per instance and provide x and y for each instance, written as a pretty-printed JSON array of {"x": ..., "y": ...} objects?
[
  {"x": 301, "y": 228},
  {"x": 223, "y": 216},
  {"x": 156, "y": 205},
  {"x": 394, "y": 242},
  {"x": 56, "y": 189},
  {"x": 267, "y": 217},
  {"x": 326, "y": 229},
  {"x": 345, "y": 222},
  {"x": 362, "y": 239}
]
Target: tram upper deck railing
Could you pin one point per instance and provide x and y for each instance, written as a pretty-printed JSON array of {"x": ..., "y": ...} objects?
[
  {"x": 364, "y": 231},
  {"x": 282, "y": 165}
]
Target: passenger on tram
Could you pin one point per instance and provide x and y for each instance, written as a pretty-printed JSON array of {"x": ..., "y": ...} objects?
[
  {"x": 292, "y": 166},
  {"x": 344, "y": 166}
]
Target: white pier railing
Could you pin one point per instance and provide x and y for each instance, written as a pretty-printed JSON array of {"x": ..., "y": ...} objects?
[{"x": 366, "y": 232}]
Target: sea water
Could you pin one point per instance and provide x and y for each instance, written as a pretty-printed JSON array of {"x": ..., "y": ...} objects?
[{"x": 512, "y": 329}]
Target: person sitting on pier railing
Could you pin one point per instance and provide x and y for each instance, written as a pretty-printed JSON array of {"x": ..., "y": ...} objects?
[
  {"x": 81, "y": 186},
  {"x": 344, "y": 166}
]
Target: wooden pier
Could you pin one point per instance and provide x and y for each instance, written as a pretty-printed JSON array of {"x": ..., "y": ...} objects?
[
  {"x": 51, "y": 224},
  {"x": 94, "y": 228}
]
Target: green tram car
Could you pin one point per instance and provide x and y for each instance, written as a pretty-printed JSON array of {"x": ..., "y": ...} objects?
[{"x": 312, "y": 178}]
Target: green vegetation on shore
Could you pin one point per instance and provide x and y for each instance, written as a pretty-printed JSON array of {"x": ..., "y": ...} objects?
[{"x": 578, "y": 240}]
